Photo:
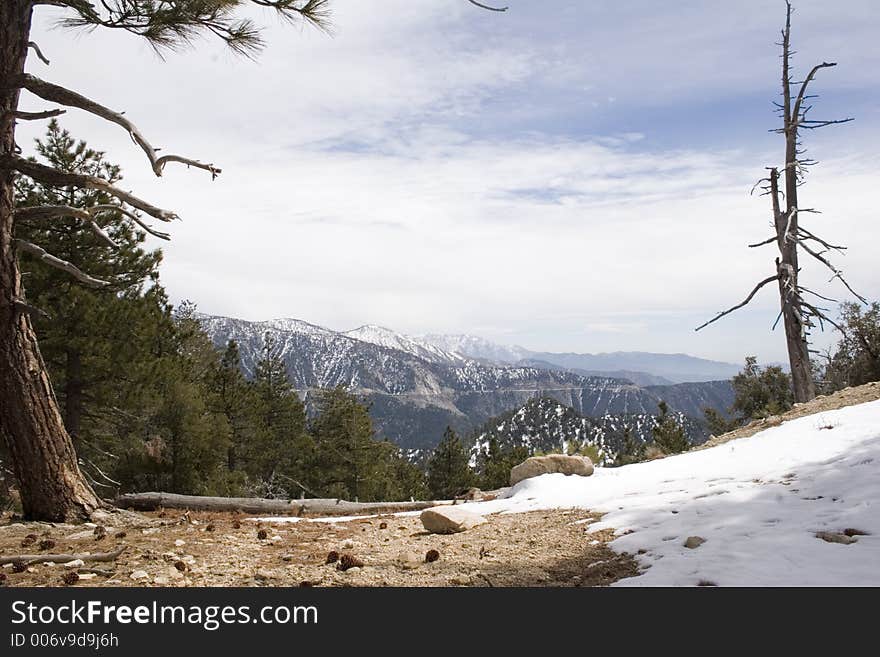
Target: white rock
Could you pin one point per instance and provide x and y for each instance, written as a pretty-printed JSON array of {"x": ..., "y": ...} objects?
[
  {"x": 409, "y": 560},
  {"x": 76, "y": 563},
  {"x": 449, "y": 519},
  {"x": 536, "y": 466},
  {"x": 139, "y": 574},
  {"x": 347, "y": 544},
  {"x": 179, "y": 542},
  {"x": 87, "y": 576}
]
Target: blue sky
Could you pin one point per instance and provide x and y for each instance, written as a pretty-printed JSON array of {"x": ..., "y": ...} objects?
[{"x": 568, "y": 176}]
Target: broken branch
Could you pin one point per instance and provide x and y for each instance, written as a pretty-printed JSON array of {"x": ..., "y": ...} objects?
[
  {"x": 44, "y": 256},
  {"x": 56, "y": 178},
  {"x": 63, "y": 96},
  {"x": 770, "y": 279},
  {"x": 62, "y": 558}
]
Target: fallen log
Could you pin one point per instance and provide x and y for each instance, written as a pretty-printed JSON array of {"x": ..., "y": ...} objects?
[
  {"x": 255, "y": 505},
  {"x": 61, "y": 558}
]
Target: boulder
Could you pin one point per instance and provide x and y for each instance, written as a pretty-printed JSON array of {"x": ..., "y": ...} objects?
[
  {"x": 536, "y": 466},
  {"x": 449, "y": 519}
]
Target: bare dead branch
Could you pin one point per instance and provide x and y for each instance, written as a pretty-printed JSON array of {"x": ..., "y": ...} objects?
[
  {"x": 56, "y": 178},
  {"x": 44, "y": 256},
  {"x": 63, "y": 558},
  {"x": 837, "y": 272},
  {"x": 44, "y": 212},
  {"x": 37, "y": 116},
  {"x": 482, "y": 6},
  {"x": 57, "y": 94},
  {"x": 24, "y": 306},
  {"x": 33, "y": 46},
  {"x": 98, "y": 209},
  {"x": 770, "y": 279},
  {"x": 770, "y": 240}
]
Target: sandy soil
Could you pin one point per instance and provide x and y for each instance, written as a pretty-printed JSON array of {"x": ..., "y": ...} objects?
[{"x": 547, "y": 548}]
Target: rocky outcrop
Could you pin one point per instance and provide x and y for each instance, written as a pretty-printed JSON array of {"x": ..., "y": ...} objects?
[{"x": 536, "y": 466}]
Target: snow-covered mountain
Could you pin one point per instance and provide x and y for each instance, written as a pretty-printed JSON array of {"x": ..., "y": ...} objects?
[
  {"x": 384, "y": 337},
  {"x": 644, "y": 368},
  {"x": 416, "y": 388}
]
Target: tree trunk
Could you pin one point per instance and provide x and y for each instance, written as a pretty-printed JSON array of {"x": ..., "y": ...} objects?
[
  {"x": 787, "y": 232},
  {"x": 322, "y": 507},
  {"x": 50, "y": 482}
]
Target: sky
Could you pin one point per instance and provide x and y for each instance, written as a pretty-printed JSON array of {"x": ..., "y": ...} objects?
[{"x": 566, "y": 176}]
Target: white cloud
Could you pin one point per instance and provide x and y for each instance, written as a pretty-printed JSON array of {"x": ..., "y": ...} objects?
[{"x": 421, "y": 170}]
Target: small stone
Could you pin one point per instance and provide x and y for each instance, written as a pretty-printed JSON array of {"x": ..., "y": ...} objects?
[
  {"x": 694, "y": 542},
  {"x": 409, "y": 560},
  {"x": 161, "y": 581},
  {"x": 76, "y": 563},
  {"x": 460, "y": 580},
  {"x": 264, "y": 574},
  {"x": 833, "y": 537},
  {"x": 276, "y": 539},
  {"x": 431, "y": 556},
  {"x": 139, "y": 575},
  {"x": 179, "y": 542},
  {"x": 180, "y": 566},
  {"x": 348, "y": 544}
]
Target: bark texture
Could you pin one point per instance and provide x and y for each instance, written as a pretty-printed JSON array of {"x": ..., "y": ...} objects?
[
  {"x": 51, "y": 484},
  {"x": 323, "y": 507}
]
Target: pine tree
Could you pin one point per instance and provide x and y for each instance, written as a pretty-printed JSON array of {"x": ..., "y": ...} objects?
[
  {"x": 669, "y": 434},
  {"x": 278, "y": 454},
  {"x": 632, "y": 450},
  {"x": 448, "y": 470},
  {"x": 90, "y": 338},
  {"x": 494, "y": 463}
]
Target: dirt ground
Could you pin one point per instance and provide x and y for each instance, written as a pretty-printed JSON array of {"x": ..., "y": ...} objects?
[{"x": 546, "y": 548}]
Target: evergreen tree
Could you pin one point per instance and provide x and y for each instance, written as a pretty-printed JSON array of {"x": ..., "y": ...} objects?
[
  {"x": 669, "y": 434},
  {"x": 494, "y": 463},
  {"x": 632, "y": 450},
  {"x": 90, "y": 338},
  {"x": 856, "y": 358},
  {"x": 761, "y": 391},
  {"x": 350, "y": 463},
  {"x": 280, "y": 451},
  {"x": 448, "y": 470}
]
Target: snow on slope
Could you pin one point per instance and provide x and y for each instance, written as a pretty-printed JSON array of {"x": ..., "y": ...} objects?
[
  {"x": 759, "y": 503},
  {"x": 384, "y": 337}
]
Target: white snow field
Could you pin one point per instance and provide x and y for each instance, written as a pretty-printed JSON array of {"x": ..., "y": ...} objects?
[{"x": 759, "y": 503}]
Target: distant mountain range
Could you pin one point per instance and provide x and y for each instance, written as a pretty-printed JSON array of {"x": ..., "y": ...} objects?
[{"x": 419, "y": 385}]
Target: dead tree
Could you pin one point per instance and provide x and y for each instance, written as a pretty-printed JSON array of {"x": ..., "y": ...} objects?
[
  {"x": 799, "y": 316},
  {"x": 50, "y": 482}
]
